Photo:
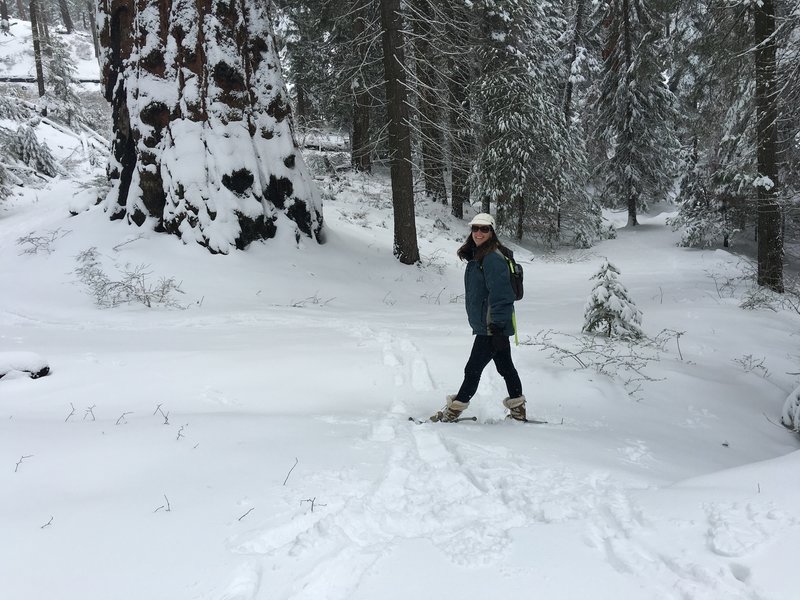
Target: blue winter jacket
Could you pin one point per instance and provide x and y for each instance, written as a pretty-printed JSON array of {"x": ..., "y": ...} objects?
[{"x": 489, "y": 296}]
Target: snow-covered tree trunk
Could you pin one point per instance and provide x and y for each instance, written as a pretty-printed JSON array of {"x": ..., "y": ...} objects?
[{"x": 203, "y": 143}]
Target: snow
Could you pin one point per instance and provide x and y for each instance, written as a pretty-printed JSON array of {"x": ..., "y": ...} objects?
[
  {"x": 21, "y": 362},
  {"x": 16, "y": 53},
  {"x": 256, "y": 444},
  {"x": 764, "y": 182}
]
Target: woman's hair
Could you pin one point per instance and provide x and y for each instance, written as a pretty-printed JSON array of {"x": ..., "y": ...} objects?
[{"x": 470, "y": 251}]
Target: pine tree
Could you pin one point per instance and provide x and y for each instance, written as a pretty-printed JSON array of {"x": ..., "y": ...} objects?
[
  {"x": 306, "y": 35},
  {"x": 610, "y": 311},
  {"x": 26, "y": 147},
  {"x": 460, "y": 136},
  {"x": 770, "y": 228},
  {"x": 405, "y": 234},
  {"x": 5, "y": 182},
  {"x": 65, "y": 16},
  {"x": 635, "y": 108},
  {"x": 37, "y": 45},
  {"x": 702, "y": 216},
  {"x": 61, "y": 100},
  {"x": 428, "y": 66},
  {"x": 364, "y": 78},
  {"x": 522, "y": 141},
  {"x": 579, "y": 212}
]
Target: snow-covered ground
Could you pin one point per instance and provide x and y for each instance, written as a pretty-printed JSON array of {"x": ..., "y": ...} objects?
[
  {"x": 16, "y": 52},
  {"x": 255, "y": 443}
]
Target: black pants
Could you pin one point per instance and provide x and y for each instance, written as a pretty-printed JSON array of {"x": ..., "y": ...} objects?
[{"x": 482, "y": 353}]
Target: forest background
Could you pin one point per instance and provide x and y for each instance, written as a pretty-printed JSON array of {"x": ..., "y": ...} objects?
[{"x": 543, "y": 112}]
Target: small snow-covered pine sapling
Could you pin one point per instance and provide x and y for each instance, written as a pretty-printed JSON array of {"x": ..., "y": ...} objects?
[
  {"x": 610, "y": 311},
  {"x": 27, "y": 148},
  {"x": 791, "y": 411}
]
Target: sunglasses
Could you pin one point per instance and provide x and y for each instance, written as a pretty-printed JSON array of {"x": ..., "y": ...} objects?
[{"x": 481, "y": 228}]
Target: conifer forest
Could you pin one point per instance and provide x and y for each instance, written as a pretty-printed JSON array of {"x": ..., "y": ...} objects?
[{"x": 541, "y": 112}]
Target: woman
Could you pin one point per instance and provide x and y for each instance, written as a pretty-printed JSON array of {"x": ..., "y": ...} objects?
[{"x": 490, "y": 310}]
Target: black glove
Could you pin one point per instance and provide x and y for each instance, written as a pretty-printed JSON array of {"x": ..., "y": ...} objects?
[{"x": 499, "y": 339}]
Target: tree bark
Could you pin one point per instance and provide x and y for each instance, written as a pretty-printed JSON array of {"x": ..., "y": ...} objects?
[
  {"x": 90, "y": 9},
  {"x": 37, "y": 47},
  {"x": 461, "y": 140},
  {"x": 631, "y": 191},
  {"x": 21, "y": 9},
  {"x": 62, "y": 5},
  {"x": 44, "y": 27},
  {"x": 770, "y": 235},
  {"x": 361, "y": 145},
  {"x": 405, "y": 232}
]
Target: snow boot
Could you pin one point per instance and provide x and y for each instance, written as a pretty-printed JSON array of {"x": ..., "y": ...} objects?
[
  {"x": 516, "y": 406},
  {"x": 451, "y": 411}
]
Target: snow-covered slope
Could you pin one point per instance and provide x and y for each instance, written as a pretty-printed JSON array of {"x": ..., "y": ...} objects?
[{"x": 16, "y": 52}]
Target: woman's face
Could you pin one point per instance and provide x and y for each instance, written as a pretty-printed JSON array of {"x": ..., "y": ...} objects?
[{"x": 481, "y": 233}]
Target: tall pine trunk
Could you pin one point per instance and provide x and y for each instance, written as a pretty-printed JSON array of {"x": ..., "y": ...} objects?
[
  {"x": 461, "y": 140},
  {"x": 90, "y": 9},
  {"x": 429, "y": 105},
  {"x": 770, "y": 236},
  {"x": 44, "y": 26},
  {"x": 37, "y": 47},
  {"x": 630, "y": 189},
  {"x": 21, "y": 13},
  {"x": 361, "y": 145},
  {"x": 62, "y": 5},
  {"x": 203, "y": 145},
  {"x": 405, "y": 231}
]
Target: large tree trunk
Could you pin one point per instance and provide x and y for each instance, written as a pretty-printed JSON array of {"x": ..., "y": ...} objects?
[
  {"x": 203, "y": 145},
  {"x": 21, "y": 9},
  {"x": 405, "y": 231},
  {"x": 62, "y": 5},
  {"x": 770, "y": 236},
  {"x": 37, "y": 47},
  {"x": 361, "y": 145},
  {"x": 429, "y": 104}
]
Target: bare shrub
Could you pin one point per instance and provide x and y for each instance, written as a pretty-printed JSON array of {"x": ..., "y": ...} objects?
[{"x": 133, "y": 286}]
